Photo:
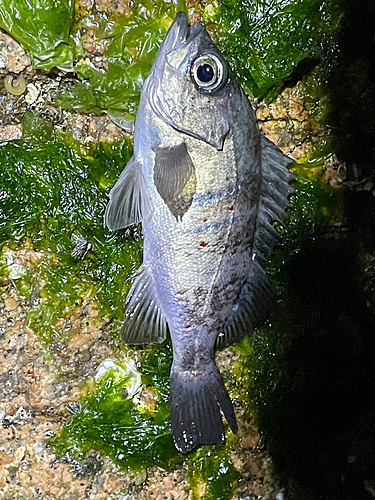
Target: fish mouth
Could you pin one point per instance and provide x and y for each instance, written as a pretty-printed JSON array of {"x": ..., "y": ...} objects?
[{"x": 180, "y": 32}]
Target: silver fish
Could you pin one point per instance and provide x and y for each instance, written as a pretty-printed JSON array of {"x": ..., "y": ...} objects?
[{"x": 206, "y": 186}]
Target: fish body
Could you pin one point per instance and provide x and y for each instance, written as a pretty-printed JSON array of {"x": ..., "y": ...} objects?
[{"x": 206, "y": 186}]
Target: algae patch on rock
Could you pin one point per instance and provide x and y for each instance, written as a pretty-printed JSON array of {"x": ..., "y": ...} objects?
[
  {"x": 318, "y": 210},
  {"x": 212, "y": 468},
  {"x": 133, "y": 435},
  {"x": 136, "y": 433},
  {"x": 54, "y": 189},
  {"x": 135, "y": 38},
  {"x": 267, "y": 41},
  {"x": 48, "y": 38},
  {"x": 53, "y": 197}
]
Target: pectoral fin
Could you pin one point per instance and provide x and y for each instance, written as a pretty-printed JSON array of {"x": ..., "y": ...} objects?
[
  {"x": 174, "y": 177},
  {"x": 129, "y": 203}
]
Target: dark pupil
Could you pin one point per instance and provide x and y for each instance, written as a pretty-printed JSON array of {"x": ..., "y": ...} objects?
[{"x": 205, "y": 73}]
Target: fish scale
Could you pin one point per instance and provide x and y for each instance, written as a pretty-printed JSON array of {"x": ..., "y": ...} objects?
[{"x": 206, "y": 186}]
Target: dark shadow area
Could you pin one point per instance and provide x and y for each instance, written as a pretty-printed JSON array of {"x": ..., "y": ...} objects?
[
  {"x": 320, "y": 425},
  {"x": 321, "y": 428},
  {"x": 302, "y": 69},
  {"x": 351, "y": 85}
]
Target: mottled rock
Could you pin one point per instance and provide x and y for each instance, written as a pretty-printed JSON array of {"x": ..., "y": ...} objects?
[
  {"x": 10, "y": 133},
  {"x": 94, "y": 45},
  {"x": 86, "y": 128},
  {"x": 120, "y": 6},
  {"x": 13, "y": 58}
]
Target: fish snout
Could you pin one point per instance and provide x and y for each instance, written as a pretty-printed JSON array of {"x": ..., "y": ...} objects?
[{"x": 177, "y": 33}]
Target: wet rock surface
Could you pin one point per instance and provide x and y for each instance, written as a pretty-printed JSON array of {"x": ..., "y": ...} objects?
[
  {"x": 41, "y": 385},
  {"x": 40, "y": 388},
  {"x": 13, "y": 58}
]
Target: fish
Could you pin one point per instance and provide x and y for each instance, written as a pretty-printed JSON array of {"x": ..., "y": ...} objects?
[{"x": 206, "y": 186}]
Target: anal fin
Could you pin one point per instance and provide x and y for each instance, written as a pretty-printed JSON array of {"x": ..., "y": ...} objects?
[{"x": 144, "y": 321}]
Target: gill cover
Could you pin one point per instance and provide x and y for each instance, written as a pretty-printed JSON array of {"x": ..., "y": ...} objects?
[{"x": 190, "y": 83}]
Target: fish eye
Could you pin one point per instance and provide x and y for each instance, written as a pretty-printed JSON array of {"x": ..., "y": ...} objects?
[{"x": 207, "y": 72}]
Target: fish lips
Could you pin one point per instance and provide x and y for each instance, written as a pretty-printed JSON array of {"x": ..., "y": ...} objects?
[{"x": 179, "y": 32}]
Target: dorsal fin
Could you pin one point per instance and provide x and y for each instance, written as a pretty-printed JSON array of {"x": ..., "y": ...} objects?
[
  {"x": 257, "y": 295},
  {"x": 274, "y": 198}
]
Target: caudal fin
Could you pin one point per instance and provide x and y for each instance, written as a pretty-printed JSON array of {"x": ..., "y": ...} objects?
[{"x": 196, "y": 400}]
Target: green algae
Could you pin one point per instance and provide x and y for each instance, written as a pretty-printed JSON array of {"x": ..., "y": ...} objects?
[
  {"x": 266, "y": 41},
  {"x": 136, "y": 38},
  {"x": 43, "y": 213},
  {"x": 251, "y": 35},
  {"x": 49, "y": 38},
  {"x": 311, "y": 361},
  {"x": 318, "y": 210},
  {"x": 52, "y": 188},
  {"x": 316, "y": 206},
  {"x": 156, "y": 366},
  {"x": 133, "y": 436},
  {"x": 53, "y": 38},
  {"x": 213, "y": 467},
  {"x": 137, "y": 436}
]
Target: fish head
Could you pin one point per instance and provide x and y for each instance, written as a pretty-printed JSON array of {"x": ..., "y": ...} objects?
[{"x": 190, "y": 85}]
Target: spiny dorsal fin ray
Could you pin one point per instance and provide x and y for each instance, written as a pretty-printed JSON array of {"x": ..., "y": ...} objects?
[
  {"x": 257, "y": 295},
  {"x": 274, "y": 197},
  {"x": 129, "y": 201},
  {"x": 174, "y": 172},
  {"x": 144, "y": 321}
]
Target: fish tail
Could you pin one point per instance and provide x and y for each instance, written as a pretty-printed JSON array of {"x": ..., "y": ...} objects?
[{"x": 196, "y": 400}]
